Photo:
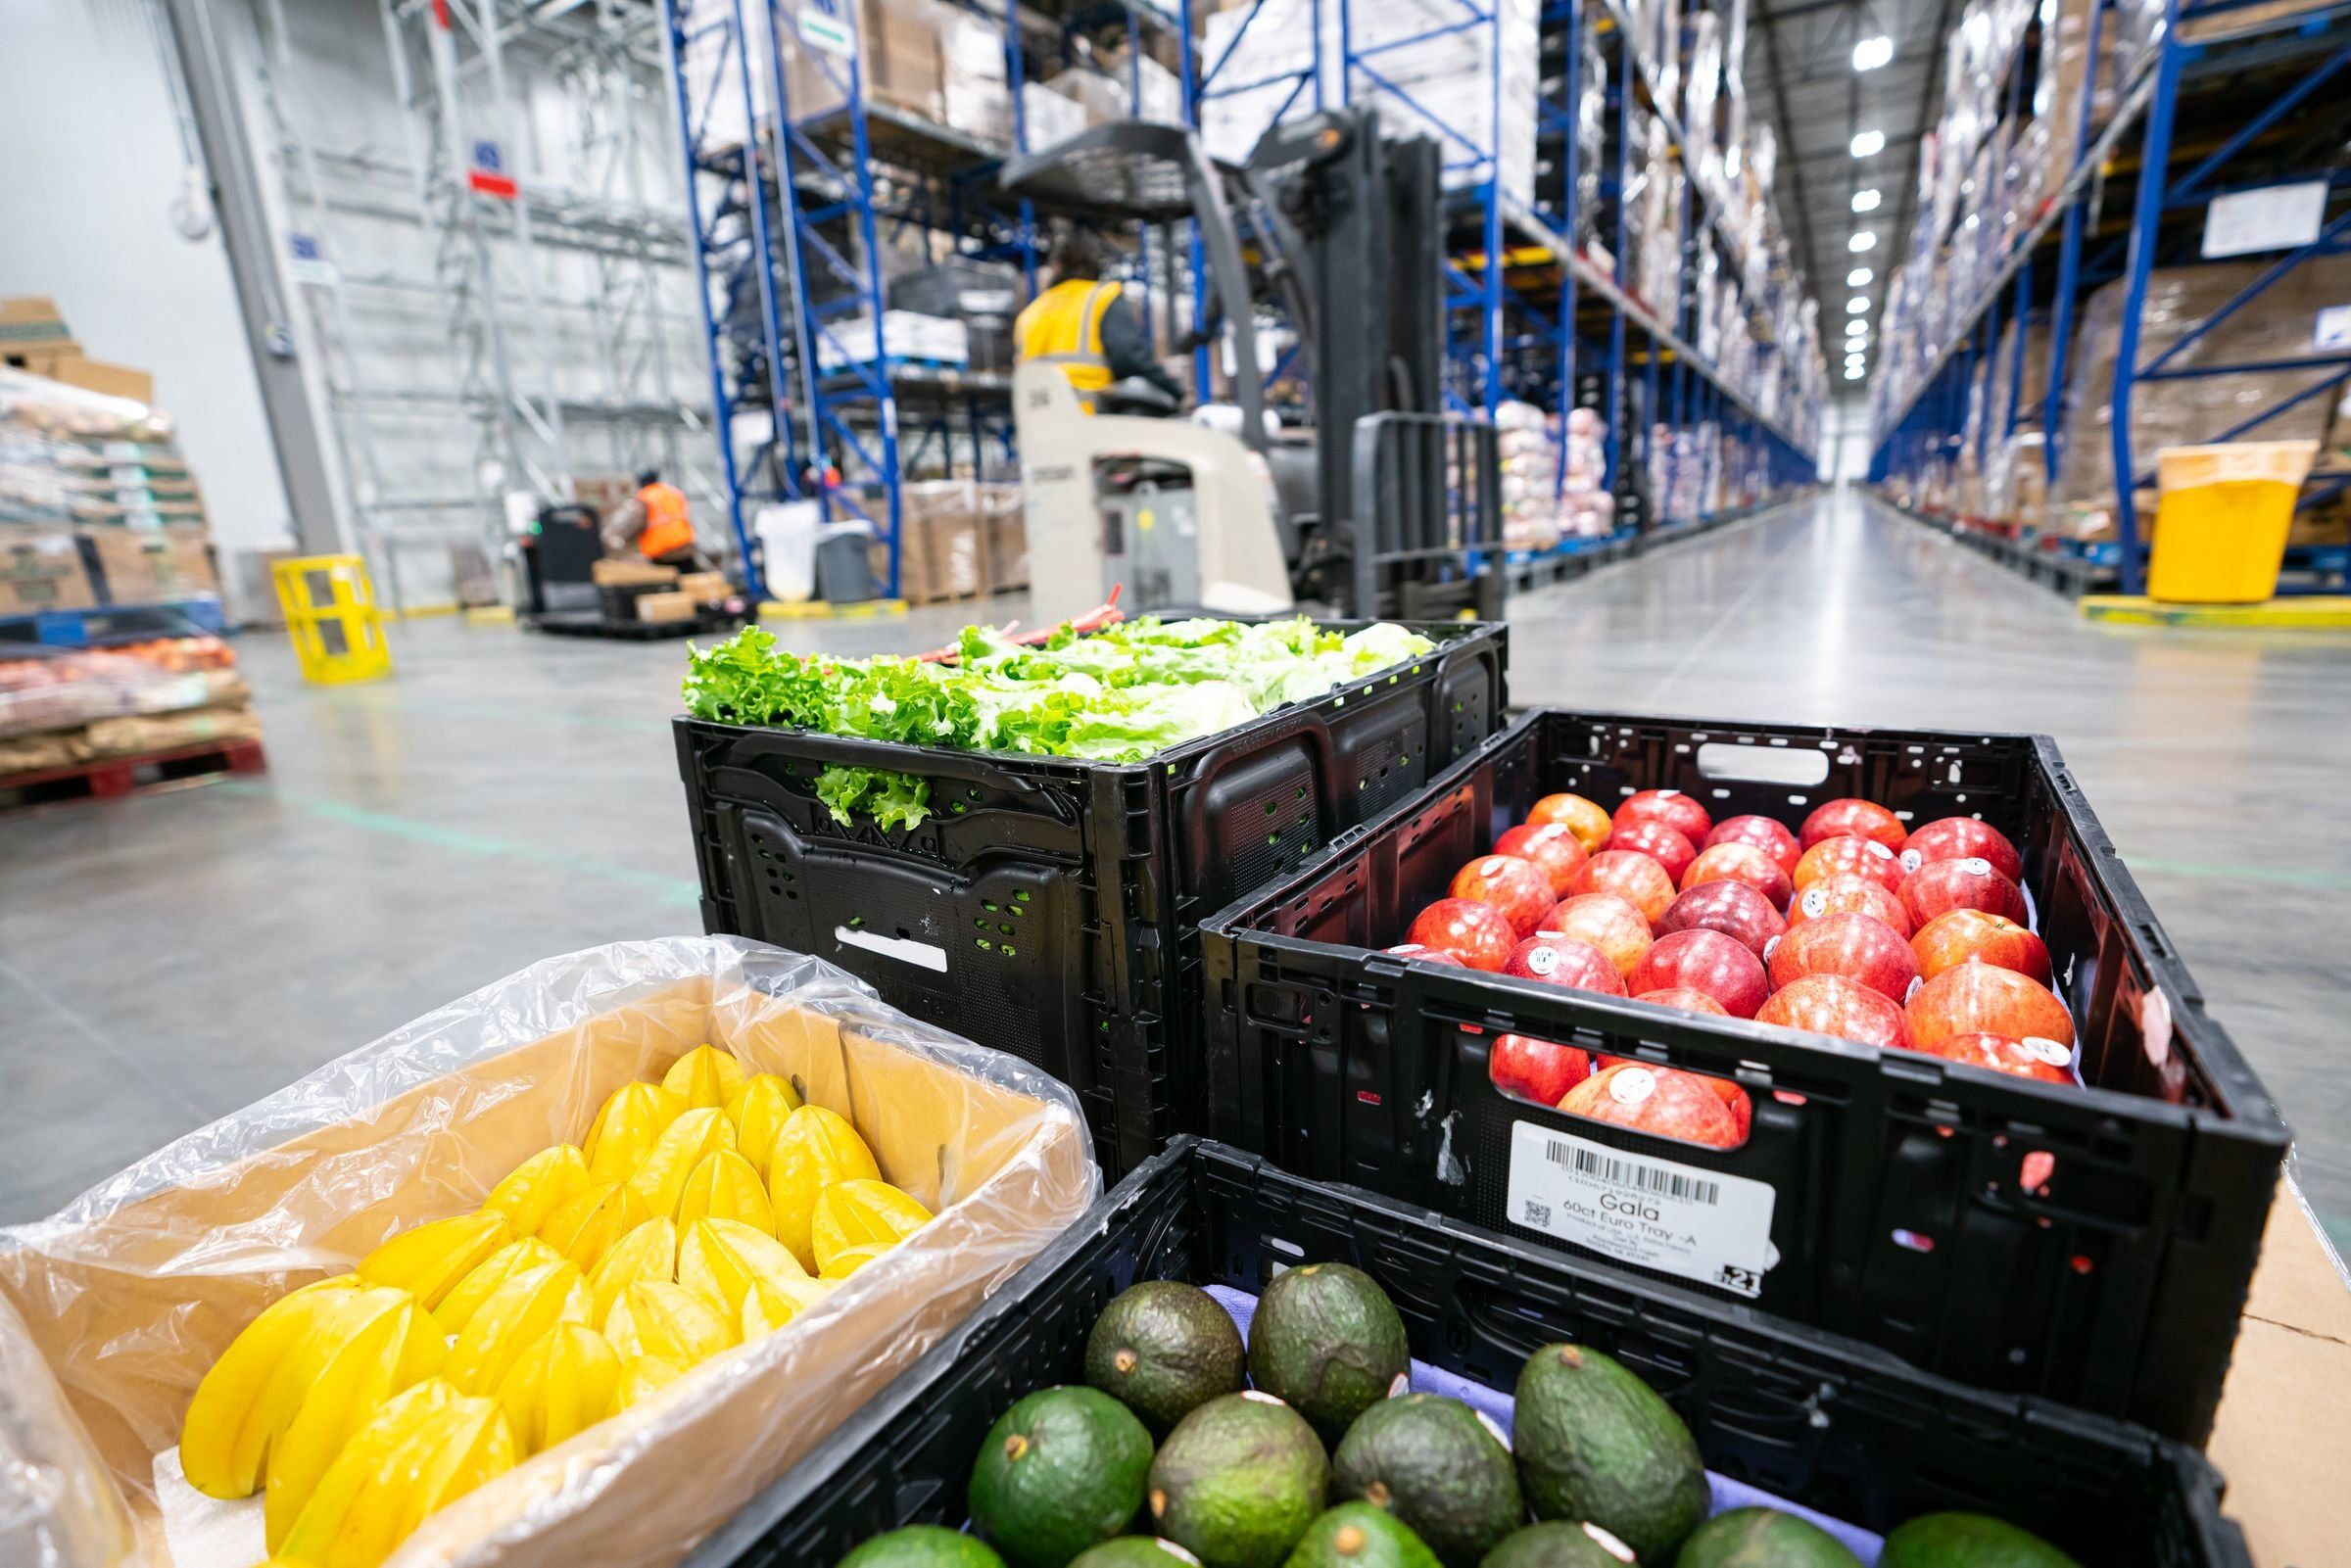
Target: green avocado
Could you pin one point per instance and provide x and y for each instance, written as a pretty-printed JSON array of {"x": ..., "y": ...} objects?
[
  {"x": 1135, "y": 1551},
  {"x": 1762, "y": 1538},
  {"x": 1559, "y": 1544},
  {"x": 1061, "y": 1470},
  {"x": 1968, "y": 1540},
  {"x": 1326, "y": 1339},
  {"x": 1433, "y": 1463},
  {"x": 1357, "y": 1534},
  {"x": 922, "y": 1547},
  {"x": 1164, "y": 1350},
  {"x": 1238, "y": 1481},
  {"x": 1595, "y": 1443}
]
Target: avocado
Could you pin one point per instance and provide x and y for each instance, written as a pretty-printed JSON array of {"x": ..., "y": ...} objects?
[
  {"x": 1559, "y": 1544},
  {"x": 1357, "y": 1534},
  {"x": 1238, "y": 1481},
  {"x": 1434, "y": 1463},
  {"x": 1595, "y": 1443},
  {"x": 1164, "y": 1350},
  {"x": 922, "y": 1547},
  {"x": 1326, "y": 1339},
  {"x": 1135, "y": 1551},
  {"x": 1061, "y": 1470},
  {"x": 1967, "y": 1540},
  {"x": 1762, "y": 1538}
]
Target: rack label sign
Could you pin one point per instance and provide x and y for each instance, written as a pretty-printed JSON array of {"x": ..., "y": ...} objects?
[
  {"x": 830, "y": 33},
  {"x": 2274, "y": 217},
  {"x": 1653, "y": 1213}
]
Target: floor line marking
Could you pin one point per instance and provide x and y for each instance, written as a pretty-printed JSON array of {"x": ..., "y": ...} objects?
[{"x": 2289, "y": 876}]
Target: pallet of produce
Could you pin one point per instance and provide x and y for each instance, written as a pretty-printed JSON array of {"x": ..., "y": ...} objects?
[
  {"x": 1869, "y": 1028},
  {"x": 1017, "y": 838},
  {"x": 1230, "y": 1367},
  {"x": 563, "y": 1273}
]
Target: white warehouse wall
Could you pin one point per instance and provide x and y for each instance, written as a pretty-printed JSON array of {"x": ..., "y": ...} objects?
[{"x": 94, "y": 163}]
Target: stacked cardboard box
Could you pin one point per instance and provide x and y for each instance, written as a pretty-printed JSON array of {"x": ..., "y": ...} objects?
[
  {"x": 961, "y": 539},
  {"x": 34, "y": 338}
]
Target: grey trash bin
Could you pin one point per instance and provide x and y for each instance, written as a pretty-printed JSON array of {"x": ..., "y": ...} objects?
[{"x": 844, "y": 573}]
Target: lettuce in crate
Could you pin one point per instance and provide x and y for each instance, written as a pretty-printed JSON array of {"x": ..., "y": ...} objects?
[{"x": 1118, "y": 694}]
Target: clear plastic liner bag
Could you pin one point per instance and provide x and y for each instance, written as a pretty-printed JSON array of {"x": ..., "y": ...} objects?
[{"x": 113, "y": 1310}]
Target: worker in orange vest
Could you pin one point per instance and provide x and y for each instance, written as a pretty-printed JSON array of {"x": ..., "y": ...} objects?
[
  {"x": 655, "y": 520},
  {"x": 1086, "y": 326}
]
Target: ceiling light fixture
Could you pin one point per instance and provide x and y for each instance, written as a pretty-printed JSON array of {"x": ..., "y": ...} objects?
[
  {"x": 1858, "y": 276},
  {"x": 1871, "y": 53},
  {"x": 1852, "y": 372},
  {"x": 1857, "y": 304},
  {"x": 1865, "y": 200},
  {"x": 1855, "y": 331},
  {"x": 1869, "y": 144},
  {"x": 1861, "y": 242}
]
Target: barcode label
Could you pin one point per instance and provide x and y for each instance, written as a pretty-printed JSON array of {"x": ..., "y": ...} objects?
[
  {"x": 1706, "y": 1225},
  {"x": 1588, "y": 1161}
]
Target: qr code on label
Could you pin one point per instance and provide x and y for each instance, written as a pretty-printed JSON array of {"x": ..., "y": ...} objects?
[{"x": 1537, "y": 1215}]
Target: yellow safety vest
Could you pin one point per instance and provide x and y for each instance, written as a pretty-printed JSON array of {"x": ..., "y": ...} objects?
[{"x": 1063, "y": 326}]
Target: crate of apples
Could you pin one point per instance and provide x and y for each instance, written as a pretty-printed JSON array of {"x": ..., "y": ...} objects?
[{"x": 1850, "y": 924}]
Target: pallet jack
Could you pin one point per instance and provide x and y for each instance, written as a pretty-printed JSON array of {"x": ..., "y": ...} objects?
[{"x": 560, "y": 594}]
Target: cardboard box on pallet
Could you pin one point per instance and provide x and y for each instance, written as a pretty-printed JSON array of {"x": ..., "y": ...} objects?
[
  {"x": 1007, "y": 536},
  {"x": 945, "y": 553},
  {"x": 32, "y": 326},
  {"x": 896, "y": 49},
  {"x": 147, "y": 565},
  {"x": 664, "y": 607},
  {"x": 41, "y": 569}
]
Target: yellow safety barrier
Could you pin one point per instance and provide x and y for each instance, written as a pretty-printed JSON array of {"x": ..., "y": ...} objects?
[
  {"x": 331, "y": 614},
  {"x": 2221, "y": 526}
]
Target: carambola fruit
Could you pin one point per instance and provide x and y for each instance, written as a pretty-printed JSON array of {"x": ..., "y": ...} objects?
[
  {"x": 774, "y": 1301},
  {"x": 670, "y": 1322},
  {"x": 815, "y": 1149},
  {"x": 428, "y": 1260},
  {"x": 565, "y": 1383},
  {"x": 690, "y": 1140},
  {"x": 650, "y": 1252},
  {"x": 722, "y": 1257},
  {"x": 850, "y": 1259},
  {"x": 252, "y": 1393},
  {"x": 705, "y": 1077},
  {"x": 522, "y": 1309},
  {"x": 539, "y": 1186},
  {"x": 724, "y": 1186},
  {"x": 311, "y": 1536},
  {"x": 357, "y": 1521},
  {"x": 593, "y": 1221},
  {"x": 758, "y": 1109},
  {"x": 859, "y": 1213},
  {"x": 464, "y": 1299},
  {"x": 626, "y": 1129},
  {"x": 642, "y": 1376},
  {"x": 385, "y": 1343}
]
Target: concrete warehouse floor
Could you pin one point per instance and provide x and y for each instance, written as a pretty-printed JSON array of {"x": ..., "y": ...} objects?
[{"x": 168, "y": 959}]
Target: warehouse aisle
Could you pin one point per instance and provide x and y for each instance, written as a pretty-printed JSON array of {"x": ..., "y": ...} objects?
[{"x": 509, "y": 797}]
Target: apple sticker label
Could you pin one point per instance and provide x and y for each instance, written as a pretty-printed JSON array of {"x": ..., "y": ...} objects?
[
  {"x": 1771, "y": 944},
  {"x": 1976, "y": 866},
  {"x": 2155, "y": 1026},
  {"x": 1542, "y": 960},
  {"x": 1912, "y": 860},
  {"x": 1685, "y": 1220},
  {"x": 1668, "y": 794},
  {"x": 2049, "y": 1050},
  {"x": 1916, "y": 981},
  {"x": 1878, "y": 849},
  {"x": 1632, "y": 1086},
  {"x": 1490, "y": 867},
  {"x": 1816, "y": 904}
]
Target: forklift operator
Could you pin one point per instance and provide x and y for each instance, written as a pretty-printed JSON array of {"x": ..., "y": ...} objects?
[
  {"x": 1083, "y": 325},
  {"x": 653, "y": 520}
]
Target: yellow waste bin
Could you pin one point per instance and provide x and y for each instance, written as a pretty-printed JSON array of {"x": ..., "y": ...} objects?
[
  {"x": 2221, "y": 526},
  {"x": 330, "y": 612}
]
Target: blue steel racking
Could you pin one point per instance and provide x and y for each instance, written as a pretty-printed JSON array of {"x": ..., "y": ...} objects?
[
  {"x": 2221, "y": 81},
  {"x": 785, "y": 227}
]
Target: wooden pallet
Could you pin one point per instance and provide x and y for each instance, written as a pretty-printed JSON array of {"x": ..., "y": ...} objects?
[{"x": 111, "y": 778}]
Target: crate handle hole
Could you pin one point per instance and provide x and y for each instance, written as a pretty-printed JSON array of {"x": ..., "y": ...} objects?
[
  {"x": 1719, "y": 759},
  {"x": 902, "y": 947}
]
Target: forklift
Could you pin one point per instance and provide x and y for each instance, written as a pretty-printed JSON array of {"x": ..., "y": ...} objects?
[{"x": 1382, "y": 506}]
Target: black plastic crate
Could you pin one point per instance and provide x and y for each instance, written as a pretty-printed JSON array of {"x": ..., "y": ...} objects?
[
  {"x": 1816, "y": 1419},
  {"x": 2091, "y": 1245},
  {"x": 1051, "y": 907}
]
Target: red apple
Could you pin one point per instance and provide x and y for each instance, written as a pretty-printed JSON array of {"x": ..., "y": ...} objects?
[
  {"x": 1660, "y": 843},
  {"x": 1847, "y": 894},
  {"x": 1536, "y": 1069},
  {"x": 1861, "y": 819},
  {"x": 1734, "y": 1100},
  {"x": 1671, "y": 807},
  {"x": 1771, "y": 837},
  {"x": 2045, "y": 1060},
  {"x": 1958, "y": 838},
  {"x": 1858, "y": 947},
  {"x": 1683, "y": 999},
  {"x": 1512, "y": 885},
  {"x": 1978, "y": 937},
  {"x": 1476, "y": 934},
  {"x": 1586, "y": 820},
  {"x": 1830, "y": 1004},
  {"x": 1734, "y": 909},
  {"x": 1565, "y": 961},
  {"x": 1985, "y": 999},
  {"x": 1739, "y": 863},
  {"x": 1553, "y": 847},
  {"x": 1665, "y": 1102},
  {"x": 1942, "y": 885},
  {"x": 1635, "y": 878},
  {"x": 1605, "y": 921},
  {"x": 1705, "y": 960},
  {"x": 1860, "y": 857},
  {"x": 1426, "y": 955}
]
